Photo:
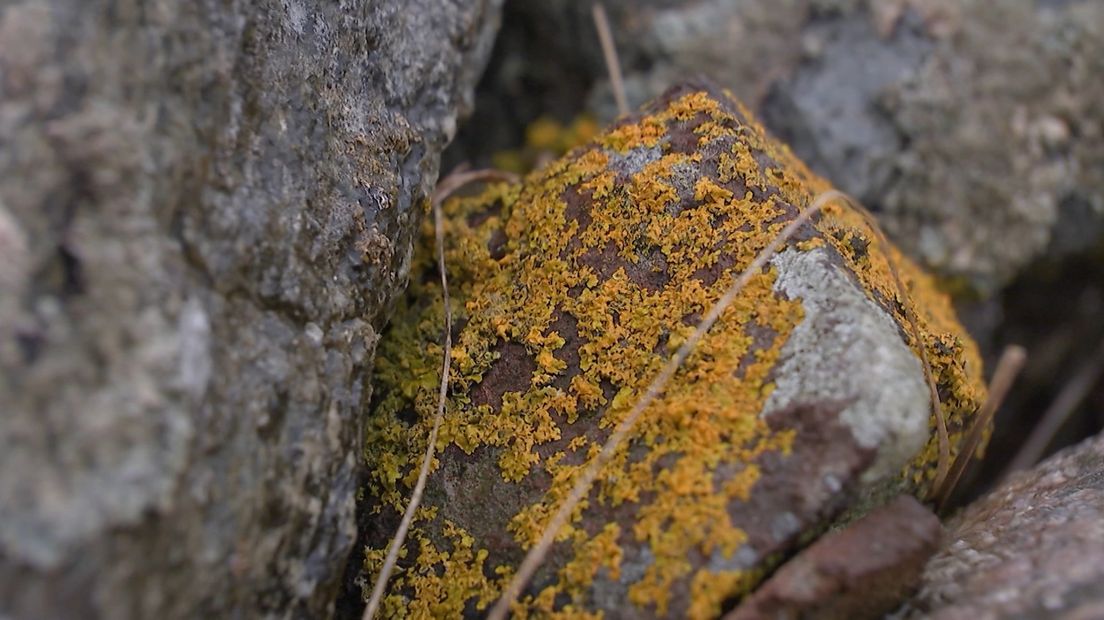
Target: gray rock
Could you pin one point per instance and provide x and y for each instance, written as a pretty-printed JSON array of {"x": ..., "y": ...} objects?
[
  {"x": 1030, "y": 549},
  {"x": 205, "y": 211}
]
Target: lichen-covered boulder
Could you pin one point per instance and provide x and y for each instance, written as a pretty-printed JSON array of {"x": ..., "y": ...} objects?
[{"x": 570, "y": 290}]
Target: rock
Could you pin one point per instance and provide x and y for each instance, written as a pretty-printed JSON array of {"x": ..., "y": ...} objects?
[
  {"x": 206, "y": 210},
  {"x": 1030, "y": 549},
  {"x": 570, "y": 289},
  {"x": 971, "y": 128},
  {"x": 861, "y": 571}
]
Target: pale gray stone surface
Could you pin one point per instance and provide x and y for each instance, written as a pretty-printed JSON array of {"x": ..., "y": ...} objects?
[{"x": 848, "y": 349}]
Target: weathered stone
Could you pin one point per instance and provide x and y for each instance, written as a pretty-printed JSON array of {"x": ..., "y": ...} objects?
[
  {"x": 1033, "y": 548},
  {"x": 570, "y": 289},
  {"x": 206, "y": 209},
  {"x": 861, "y": 571}
]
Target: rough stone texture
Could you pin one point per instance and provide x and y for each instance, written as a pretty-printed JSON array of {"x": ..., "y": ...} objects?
[
  {"x": 861, "y": 571},
  {"x": 205, "y": 211},
  {"x": 889, "y": 401},
  {"x": 1033, "y": 548},
  {"x": 569, "y": 291},
  {"x": 974, "y": 128}
]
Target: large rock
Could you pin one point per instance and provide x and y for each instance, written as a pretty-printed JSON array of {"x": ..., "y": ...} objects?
[
  {"x": 570, "y": 290},
  {"x": 205, "y": 211},
  {"x": 973, "y": 127},
  {"x": 1033, "y": 548}
]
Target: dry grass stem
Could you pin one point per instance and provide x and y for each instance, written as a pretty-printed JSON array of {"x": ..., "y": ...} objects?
[
  {"x": 461, "y": 176},
  {"x": 445, "y": 188},
  {"x": 942, "y": 467},
  {"x": 1011, "y": 361},
  {"x": 609, "y": 52},
  {"x": 1069, "y": 398}
]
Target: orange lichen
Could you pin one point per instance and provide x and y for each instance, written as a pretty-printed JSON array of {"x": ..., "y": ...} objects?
[
  {"x": 630, "y": 271},
  {"x": 709, "y": 590},
  {"x": 954, "y": 358},
  {"x": 546, "y": 138},
  {"x": 445, "y": 598}
]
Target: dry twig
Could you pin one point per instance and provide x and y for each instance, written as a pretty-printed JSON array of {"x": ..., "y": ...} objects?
[
  {"x": 445, "y": 188},
  {"x": 1011, "y": 361},
  {"x": 609, "y": 52}
]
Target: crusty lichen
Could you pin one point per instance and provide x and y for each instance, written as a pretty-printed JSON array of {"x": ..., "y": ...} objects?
[{"x": 621, "y": 246}]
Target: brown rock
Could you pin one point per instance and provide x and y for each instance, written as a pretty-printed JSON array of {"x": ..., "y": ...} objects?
[
  {"x": 802, "y": 402},
  {"x": 861, "y": 571}
]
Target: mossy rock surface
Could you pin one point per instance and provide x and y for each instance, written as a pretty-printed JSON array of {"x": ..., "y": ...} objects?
[{"x": 570, "y": 290}]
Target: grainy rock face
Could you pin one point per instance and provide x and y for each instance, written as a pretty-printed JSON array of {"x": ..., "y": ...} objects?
[
  {"x": 1033, "y": 548},
  {"x": 570, "y": 289},
  {"x": 205, "y": 211},
  {"x": 973, "y": 128}
]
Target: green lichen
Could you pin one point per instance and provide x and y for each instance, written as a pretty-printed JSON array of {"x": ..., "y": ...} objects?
[{"x": 521, "y": 258}]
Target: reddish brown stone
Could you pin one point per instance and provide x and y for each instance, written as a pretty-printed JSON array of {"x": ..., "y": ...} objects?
[{"x": 861, "y": 571}]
